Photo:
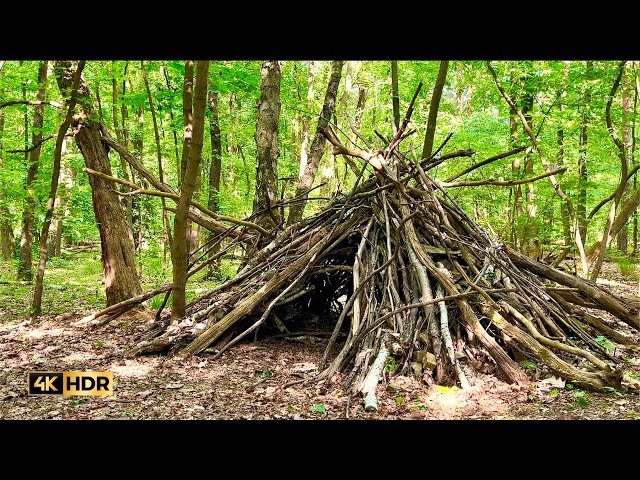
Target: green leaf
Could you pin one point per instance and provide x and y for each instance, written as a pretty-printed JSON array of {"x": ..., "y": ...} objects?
[
  {"x": 527, "y": 365},
  {"x": 399, "y": 400},
  {"x": 319, "y": 408},
  {"x": 99, "y": 343}
]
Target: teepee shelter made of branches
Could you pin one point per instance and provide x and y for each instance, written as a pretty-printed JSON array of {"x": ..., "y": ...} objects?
[{"x": 424, "y": 284}]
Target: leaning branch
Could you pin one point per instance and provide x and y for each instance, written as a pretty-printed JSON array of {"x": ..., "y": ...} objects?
[
  {"x": 500, "y": 183},
  {"x": 29, "y": 102},
  {"x": 175, "y": 197},
  {"x": 485, "y": 162}
]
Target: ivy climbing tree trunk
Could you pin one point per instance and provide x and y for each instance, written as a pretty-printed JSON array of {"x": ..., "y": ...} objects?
[
  {"x": 267, "y": 152},
  {"x": 25, "y": 271},
  {"x": 120, "y": 275},
  {"x": 317, "y": 147},
  {"x": 179, "y": 252},
  {"x": 434, "y": 106}
]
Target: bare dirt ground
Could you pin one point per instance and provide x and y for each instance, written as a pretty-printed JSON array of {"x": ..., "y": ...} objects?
[{"x": 261, "y": 380}]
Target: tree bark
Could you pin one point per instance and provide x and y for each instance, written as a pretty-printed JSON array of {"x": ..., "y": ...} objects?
[
  {"x": 395, "y": 96},
  {"x": 215, "y": 166},
  {"x": 304, "y": 147},
  {"x": 627, "y": 92},
  {"x": 187, "y": 117},
  {"x": 267, "y": 152},
  {"x": 583, "y": 176},
  {"x": 120, "y": 275},
  {"x": 25, "y": 271},
  {"x": 5, "y": 218},
  {"x": 165, "y": 220},
  {"x": 296, "y": 210},
  {"x": 36, "y": 303},
  {"x": 434, "y": 106},
  {"x": 179, "y": 252},
  {"x": 608, "y": 235}
]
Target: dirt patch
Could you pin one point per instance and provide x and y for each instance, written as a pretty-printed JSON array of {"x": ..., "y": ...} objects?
[{"x": 266, "y": 380}]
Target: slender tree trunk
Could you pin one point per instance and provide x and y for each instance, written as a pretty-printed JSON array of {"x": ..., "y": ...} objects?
[
  {"x": 433, "y": 109},
  {"x": 26, "y": 242},
  {"x": 564, "y": 213},
  {"x": 215, "y": 167},
  {"x": 583, "y": 176},
  {"x": 173, "y": 130},
  {"x": 187, "y": 116},
  {"x": 304, "y": 148},
  {"x": 529, "y": 232},
  {"x": 36, "y": 303},
  {"x": 179, "y": 253},
  {"x": 5, "y": 217},
  {"x": 395, "y": 96},
  {"x": 627, "y": 90},
  {"x": 120, "y": 275},
  {"x": 165, "y": 219},
  {"x": 634, "y": 252},
  {"x": 267, "y": 152},
  {"x": 120, "y": 136},
  {"x": 608, "y": 235},
  {"x": 296, "y": 210}
]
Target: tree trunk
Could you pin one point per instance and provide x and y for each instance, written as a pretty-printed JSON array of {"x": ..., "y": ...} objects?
[
  {"x": 304, "y": 148},
  {"x": 5, "y": 218},
  {"x": 267, "y": 153},
  {"x": 179, "y": 253},
  {"x": 583, "y": 177},
  {"x": 627, "y": 91},
  {"x": 26, "y": 242},
  {"x": 165, "y": 219},
  {"x": 433, "y": 109},
  {"x": 395, "y": 96},
  {"x": 36, "y": 303},
  {"x": 187, "y": 116},
  {"x": 296, "y": 210},
  {"x": 215, "y": 167},
  {"x": 173, "y": 130},
  {"x": 120, "y": 276},
  {"x": 120, "y": 136}
]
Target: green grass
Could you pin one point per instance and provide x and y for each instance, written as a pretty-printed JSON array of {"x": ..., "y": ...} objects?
[
  {"x": 73, "y": 284},
  {"x": 627, "y": 268}
]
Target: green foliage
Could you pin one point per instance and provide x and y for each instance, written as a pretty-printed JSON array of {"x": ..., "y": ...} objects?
[
  {"x": 389, "y": 364},
  {"x": 627, "y": 268},
  {"x": 528, "y": 365},
  {"x": 581, "y": 398},
  {"x": 319, "y": 408},
  {"x": 266, "y": 373},
  {"x": 605, "y": 342}
]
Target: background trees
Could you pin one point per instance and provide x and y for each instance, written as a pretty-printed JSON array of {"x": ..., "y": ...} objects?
[{"x": 147, "y": 112}]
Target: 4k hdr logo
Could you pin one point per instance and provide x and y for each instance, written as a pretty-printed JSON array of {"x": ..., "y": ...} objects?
[{"x": 70, "y": 383}]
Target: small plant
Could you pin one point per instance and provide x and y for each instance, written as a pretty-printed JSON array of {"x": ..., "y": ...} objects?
[
  {"x": 78, "y": 401},
  {"x": 319, "y": 408},
  {"x": 389, "y": 364},
  {"x": 627, "y": 267},
  {"x": 553, "y": 392},
  {"x": 399, "y": 400},
  {"x": 581, "y": 398},
  {"x": 605, "y": 342},
  {"x": 266, "y": 373},
  {"x": 612, "y": 390},
  {"x": 419, "y": 406},
  {"x": 569, "y": 386},
  {"x": 527, "y": 365},
  {"x": 128, "y": 413},
  {"x": 99, "y": 343}
]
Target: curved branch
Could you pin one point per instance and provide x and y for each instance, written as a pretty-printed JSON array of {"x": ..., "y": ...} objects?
[
  {"x": 175, "y": 197},
  {"x": 485, "y": 162},
  {"x": 500, "y": 183}
]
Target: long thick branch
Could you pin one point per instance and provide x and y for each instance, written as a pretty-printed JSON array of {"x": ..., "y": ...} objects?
[
  {"x": 485, "y": 162},
  {"x": 175, "y": 197},
  {"x": 500, "y": 183},
  {"x": 29, "y": 102},
  {"x": 612, "y": 196}
]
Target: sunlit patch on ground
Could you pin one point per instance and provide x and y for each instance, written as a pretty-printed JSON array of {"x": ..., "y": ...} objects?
[{"x": 131, "y": 368}]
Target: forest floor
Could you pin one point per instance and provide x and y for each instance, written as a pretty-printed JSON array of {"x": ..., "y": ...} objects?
[{"x": 259, "y": 380}]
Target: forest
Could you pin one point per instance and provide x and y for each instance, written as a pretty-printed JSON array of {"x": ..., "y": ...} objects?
[{"x": 321, "y": 239}]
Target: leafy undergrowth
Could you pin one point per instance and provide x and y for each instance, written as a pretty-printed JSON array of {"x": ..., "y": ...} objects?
[
  {"x": 260, "y": 380},
  {"x": 73, "y": 284}
]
